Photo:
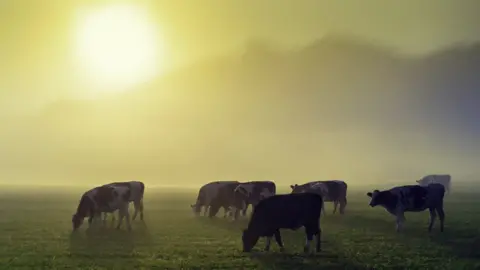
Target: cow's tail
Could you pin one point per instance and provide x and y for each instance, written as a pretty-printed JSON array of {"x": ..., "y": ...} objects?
[{"x": 343, "y": 202}]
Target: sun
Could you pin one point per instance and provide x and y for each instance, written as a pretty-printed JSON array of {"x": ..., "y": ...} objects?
[{"x": 117, "y": 46}]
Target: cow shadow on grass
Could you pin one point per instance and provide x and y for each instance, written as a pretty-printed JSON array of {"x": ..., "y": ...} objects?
[
  {"x": 462, "y": 242},
  {"x": 293, "y": 256},
  {"x": 106, "y": 244}
]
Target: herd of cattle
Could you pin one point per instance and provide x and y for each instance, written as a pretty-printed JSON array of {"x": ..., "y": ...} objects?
[{"x": 271, "y": 211}]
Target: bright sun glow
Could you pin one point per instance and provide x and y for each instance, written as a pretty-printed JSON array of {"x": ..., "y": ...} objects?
[{"x": 117, "y": 46}]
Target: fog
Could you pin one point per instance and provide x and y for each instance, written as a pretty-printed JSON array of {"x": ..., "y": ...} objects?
[{"x": 339, "y": 106}]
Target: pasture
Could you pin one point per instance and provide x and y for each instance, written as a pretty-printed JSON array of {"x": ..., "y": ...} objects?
[{"x": 36, "y": 233}]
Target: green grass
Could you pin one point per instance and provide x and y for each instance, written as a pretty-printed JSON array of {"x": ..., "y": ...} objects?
[{"x": 36, "y": 233}]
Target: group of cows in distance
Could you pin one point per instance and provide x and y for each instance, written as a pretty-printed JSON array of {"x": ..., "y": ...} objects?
[{"x": 270, "y": 211}]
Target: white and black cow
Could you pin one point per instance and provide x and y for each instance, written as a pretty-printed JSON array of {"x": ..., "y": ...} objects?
[
  {"x": 332, "y": 191},
  {"x": 444, "y": 179},
  {"x": 411, "y": 198},
  {"x": 100, "y": 200},
  {"x": 251, "y": 193},
  {"x": 286, "y": 211},
  {"x": 213, "y": 195},
  {"x": 137, "y": 190}
]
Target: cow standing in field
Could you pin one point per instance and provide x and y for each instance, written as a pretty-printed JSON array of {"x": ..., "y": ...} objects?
[
  {"x": 137, "y": 190},
  {"x": 286, "y": 211},
  {"x": 100, "y": 200},
  {"x": 216, "y": 194},
  {"x": 251, "y": 193},
  {"x": 411, "y": 198},
  {"x": 332, "y": 191},
  {"x": 444, "y": 179}
]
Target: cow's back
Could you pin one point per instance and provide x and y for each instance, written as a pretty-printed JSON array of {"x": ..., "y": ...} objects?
[
  {"x": 286, "y": 211},
  {"x": 212, "y": 190}
]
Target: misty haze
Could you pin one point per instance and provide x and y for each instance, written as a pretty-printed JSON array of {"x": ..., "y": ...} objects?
[{"x": 180, "y": 94}]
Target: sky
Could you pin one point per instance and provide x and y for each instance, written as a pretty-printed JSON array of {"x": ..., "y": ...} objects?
[{"x": 39, "y": 67}]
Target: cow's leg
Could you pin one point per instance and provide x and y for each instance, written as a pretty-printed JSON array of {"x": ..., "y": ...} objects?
[
  {"x": 335, "y": 205},
  {"x": 343, "y": 204},
  {"x": 225, "y": 213},
  {"x": 441, "y": 215},
  {"x": 123, "y": 212},
  {"x": 205, "y": 212},
  {"x": 433, "y": 215},
  {"x": 311, "y": 229},
  {"x": 104, "y": 221},
  {"x": 400, "y": 221},
  {"x": 278, "y": 238},
  {"x": 244, "y": 211},
  {"x": 136, "y": 206},
  {"x": 267, "y": 243}
]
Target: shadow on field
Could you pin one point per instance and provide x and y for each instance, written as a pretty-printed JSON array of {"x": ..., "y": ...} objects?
[
  {"x": 287, "y": 260},
  {"x": 463, "y": 243},
  {"x": 109, "y": 243},
  {"x": 292, "y": 258}
]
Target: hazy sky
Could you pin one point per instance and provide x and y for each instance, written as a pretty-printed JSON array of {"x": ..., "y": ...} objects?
[{"x": 38, "y": 66}]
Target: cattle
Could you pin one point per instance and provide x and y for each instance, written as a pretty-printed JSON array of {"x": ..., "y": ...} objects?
[
  {"x": 137, "y": 190},
  {"x": 286, "y": 211},
  {"x": 215, "y": 194},
  {"x": 250, "y": 193},
  {"x": 332, "y": 191},
  {"x": 411, "y": 198},
  {"x": 444, "y": 179},
  {"x": 100, "y": 200}
]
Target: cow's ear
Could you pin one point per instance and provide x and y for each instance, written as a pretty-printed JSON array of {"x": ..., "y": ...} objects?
[
  {"x": 376, "y": 191},
  {"x": 292, "y": 186},
  {"x": 369, "y": 194}
]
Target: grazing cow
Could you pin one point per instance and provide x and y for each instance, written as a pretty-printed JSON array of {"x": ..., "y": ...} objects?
[
  {"x": 286, "y": 211},
  {"x": 214, "y": 193},
  {"x": 100, "y": 200},
  {"x": 332, "y": 191},
  {"x": 444, "y": 179},
  {"x": 411, "y": 198},
  {"x": 252, "y": 193},
  {"x": 137, "y": 190}
]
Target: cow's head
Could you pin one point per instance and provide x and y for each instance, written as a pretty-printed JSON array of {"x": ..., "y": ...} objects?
[
  {"x": 76, "y": 221},
  {"x": 249, "y": 240},
  {"x": 196, "y": 208},
  {"x": 376, "y": 198},
  {"x": 296, "y": 188}
]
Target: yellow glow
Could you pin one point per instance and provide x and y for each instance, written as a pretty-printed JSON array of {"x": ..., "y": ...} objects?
[{"x": 118, "y": 46}]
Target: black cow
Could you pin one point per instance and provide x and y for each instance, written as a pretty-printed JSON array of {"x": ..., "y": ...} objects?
[
  {"x": 252, "y": 193},
  {"x": 288, "y": 211},
  {"x": 411, "y": 198}
]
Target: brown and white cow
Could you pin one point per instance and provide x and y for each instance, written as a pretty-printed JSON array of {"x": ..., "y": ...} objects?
[
  {"x": 332, "y": 191},
  {"x": 100, "y": 200},
  {"x": 137, "y": 190}
]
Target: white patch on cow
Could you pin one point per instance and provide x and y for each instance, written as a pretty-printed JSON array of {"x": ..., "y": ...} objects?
[
  {"x": 266, "y": 193},
  {"x": 443, "y": 179}
]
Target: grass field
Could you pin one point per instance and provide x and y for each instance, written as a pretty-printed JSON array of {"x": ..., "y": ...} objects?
[{"x": 36, "y": 233}]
